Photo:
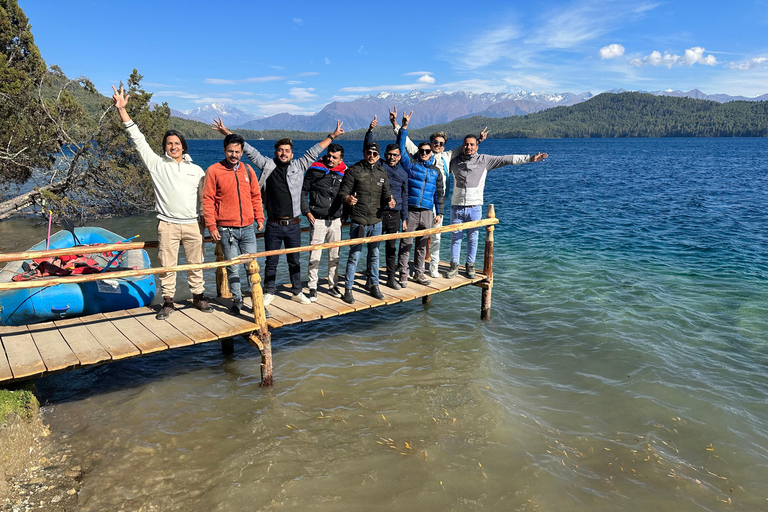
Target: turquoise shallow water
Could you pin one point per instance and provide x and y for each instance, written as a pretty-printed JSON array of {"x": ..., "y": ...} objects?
[{"x": 624, "y": 366}]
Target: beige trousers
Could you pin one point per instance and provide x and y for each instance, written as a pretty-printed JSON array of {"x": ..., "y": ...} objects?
[
  {"x": 169, "y": 236},
  {"x": 324, "y": 231}
]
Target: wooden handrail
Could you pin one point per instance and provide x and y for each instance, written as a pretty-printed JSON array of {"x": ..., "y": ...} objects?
[
  {"x": 80, "y": 249},
  {"x": 243, "y": 258}
]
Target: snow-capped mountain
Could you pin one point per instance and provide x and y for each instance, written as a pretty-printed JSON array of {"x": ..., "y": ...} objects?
[
  {"x": 429, "y": 108},
  {"x": 231, "y": 116}
]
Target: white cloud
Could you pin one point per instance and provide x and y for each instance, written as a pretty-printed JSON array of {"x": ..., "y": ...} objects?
[
  {"x": 259, "y": 79},
  {"x": 493, "y": 45},
  {"x": 308, "y": 73},
  {"x": 417, "y": 73},
  {"x": 691, "y": 56},
  {"x": 379, "y": 88},
  {"x": 425, "y": 79},
  {"x": 611, "y": 51},
  {"x": 586, "y": 20},
  {"x": 327, "y": 60},
  {"x": 753, "y": 63},
  {"x": 302, "y": 93},
  {"x": 297, "y": 21}
]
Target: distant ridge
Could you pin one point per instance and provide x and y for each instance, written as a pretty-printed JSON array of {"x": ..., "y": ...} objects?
[
  {"x": 431, "y": 108},
  {"x": 607, "y": 115}
]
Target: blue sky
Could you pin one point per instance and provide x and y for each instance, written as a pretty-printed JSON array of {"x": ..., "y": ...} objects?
[{"x": 272, "y": 57}]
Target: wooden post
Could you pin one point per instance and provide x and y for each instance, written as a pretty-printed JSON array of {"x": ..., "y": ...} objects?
[
  {"x": 485, "y": 305},
  {"x": 426, "y": 299},
  {"x": 228, "y": 346},
  {"x": 261, "y": 337},
  {"x": 222, "y": 285}
]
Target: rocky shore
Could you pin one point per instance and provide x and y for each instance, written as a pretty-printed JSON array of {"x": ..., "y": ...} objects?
[{"x": 37, "y": 470}]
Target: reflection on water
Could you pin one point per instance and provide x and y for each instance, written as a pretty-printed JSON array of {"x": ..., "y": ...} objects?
[{"x": 623, "y": 368}]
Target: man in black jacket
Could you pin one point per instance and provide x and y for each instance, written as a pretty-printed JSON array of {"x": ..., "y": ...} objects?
[
  {"x": 365, "y": 188},
  {"x": 393, "y": 218},
  {"x": 324, "y": 210}
]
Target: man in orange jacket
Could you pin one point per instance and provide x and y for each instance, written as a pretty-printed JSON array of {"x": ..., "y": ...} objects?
[{"x": 231, "y": 205}]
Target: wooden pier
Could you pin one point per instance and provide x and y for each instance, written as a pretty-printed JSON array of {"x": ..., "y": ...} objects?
[{"x": 32, "y": 351}]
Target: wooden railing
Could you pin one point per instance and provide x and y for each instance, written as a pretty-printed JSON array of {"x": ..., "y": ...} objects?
[{"x": 260, "y": 337}]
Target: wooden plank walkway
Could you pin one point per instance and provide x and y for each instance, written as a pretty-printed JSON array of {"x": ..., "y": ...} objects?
[{"x": 41, "y": 349}]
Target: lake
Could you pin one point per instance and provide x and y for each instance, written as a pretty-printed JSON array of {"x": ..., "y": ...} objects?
[{"x": 624, "y": 367}]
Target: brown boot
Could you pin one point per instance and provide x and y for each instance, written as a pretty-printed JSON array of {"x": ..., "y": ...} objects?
[
  {"x": 166, "y": 309},
  {"x": 201, "y": 303}
]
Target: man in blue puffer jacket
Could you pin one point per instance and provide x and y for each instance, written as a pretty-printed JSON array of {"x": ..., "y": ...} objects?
[{"x": 425, "y": 191}]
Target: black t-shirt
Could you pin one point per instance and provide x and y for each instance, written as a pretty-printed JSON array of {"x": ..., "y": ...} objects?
[{"x": 278, "y": 201}]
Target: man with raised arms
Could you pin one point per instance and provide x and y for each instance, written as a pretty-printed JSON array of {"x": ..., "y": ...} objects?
[
  {"x": 178, "y": 185},
  {"x": 392, "y": 218},
  {"x": 231, "y": 205},
  {"x": 469, "y": 170},
  {"x": 281, "y": 181},
  {"x": 425, "y": 195},
  {"x": 324, "y": 210},
  {"x": 442, "y": 159}
]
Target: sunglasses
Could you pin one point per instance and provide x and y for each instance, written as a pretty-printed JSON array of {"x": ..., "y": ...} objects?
[
  {"x": 371, "y": 152},
  {"x": 438, "y": 143},
  {"x": 391, "y": 155},
  {"x": 425, "y": 151}
]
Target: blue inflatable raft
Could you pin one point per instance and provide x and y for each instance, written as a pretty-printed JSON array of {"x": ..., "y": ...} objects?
[{"x": 33, "y": 305}]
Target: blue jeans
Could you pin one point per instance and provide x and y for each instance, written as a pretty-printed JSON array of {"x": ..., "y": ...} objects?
[
  {"x": 234, "y": 242},
  {"x": 358, "y": 231},
  {"x": 459, "y": 215},
  {"x": 275, "y": 236}
]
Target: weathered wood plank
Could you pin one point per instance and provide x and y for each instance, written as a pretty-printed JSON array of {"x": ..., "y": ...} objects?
[
  {"x": 84, "y": 344},
  {"x": 190, "y": 328},
  {"x": 216, "y": 325},
  {"x": 144, "y": 339},
  {"x": 23, "y": 358},
  {"x": 282, "y": 295},
  {"x": 5, "y": 367},
  {"x": 273, "y": 322},
  {"x": 109, "y": 337},
  {"x": 307, "y": 312},
  {"x": 163, "y": 329},
  {"x": 243, "y": 322},
  {"x": 53, "y": 349}
]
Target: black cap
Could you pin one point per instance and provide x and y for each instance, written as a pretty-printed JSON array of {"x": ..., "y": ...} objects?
[{"x": 373, "y": 145}]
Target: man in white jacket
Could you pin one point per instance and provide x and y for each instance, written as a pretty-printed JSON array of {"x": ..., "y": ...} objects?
[{"x": 178, "y": 185}]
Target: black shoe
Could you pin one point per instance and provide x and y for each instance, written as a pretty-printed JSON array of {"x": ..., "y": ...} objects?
[
  {"x": 470, "y": 268},
  {"x": 348, "y": 298},
  {"x": 453, "y": 271},
  {"x": 335, "y": 293},
  {"x": 313, "y": 295},
  {"x": 200, "y": 302},
  {"x": 393, "y": 283},
  {"x": 375, "y": 292},
  {"x": 368, "y": 284},
  {"x": 166, "y": 309},
  {"x": 237, "y": 305}
]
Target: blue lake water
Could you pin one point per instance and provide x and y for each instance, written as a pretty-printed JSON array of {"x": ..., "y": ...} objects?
[{"x": 624, "y": 366}]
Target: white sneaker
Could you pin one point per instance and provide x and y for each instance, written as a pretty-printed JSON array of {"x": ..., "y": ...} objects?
[
  {"x": 301, "y": 299},
  {"x": 433, "y": 273},
  {"x": 268, "y": 298}
]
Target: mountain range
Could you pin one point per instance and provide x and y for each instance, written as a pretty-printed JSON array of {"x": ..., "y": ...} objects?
[{"x": 429, "y": 109}]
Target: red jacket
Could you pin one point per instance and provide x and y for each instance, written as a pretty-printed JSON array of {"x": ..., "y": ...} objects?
[{"x": 231, "y": 198}]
